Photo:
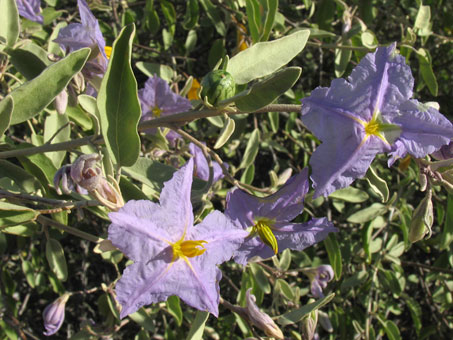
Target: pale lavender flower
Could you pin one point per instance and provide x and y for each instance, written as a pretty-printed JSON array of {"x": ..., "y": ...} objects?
[
  {"x": 171, "y": 256},
  {"x": 157, "y": 99},
  {"x": 53, "y": 315},
  {"x": 319, "y": 278},
  {"x": 30, "y": 9},
  {"x": 268, "y": 220},
  {"x": 369, "y": 113},
  {"x": 87, "y": 34},
  {"x": 202, "y": 167}
]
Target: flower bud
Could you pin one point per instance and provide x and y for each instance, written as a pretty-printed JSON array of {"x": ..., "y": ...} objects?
[
  {"x": 422, "y": 219},
  {"x": 319, "y": 278},
  {"x": 63, "y": 178},
  {"x": 84, "y": 172},
  {"x": 61, "y": 102},
  {"x": 53, "y": 315},
  {"x": 309, "y": 325},
  {"x": 260, "y": 319},
  {"x": 218, "y": 85}
]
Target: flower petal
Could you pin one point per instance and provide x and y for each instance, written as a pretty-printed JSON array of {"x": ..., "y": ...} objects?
[
  {"x": 424, "y": 129},
  {"x": 337, "y": 163},
  {"x": 175, "y": 201}
]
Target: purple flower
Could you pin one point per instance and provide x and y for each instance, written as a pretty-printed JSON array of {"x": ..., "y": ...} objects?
[
  {"x": 53, "y": 315},
  {"x": 87, "y": 34},
  {"x": 30, "y": 9},
  {"x": 171, "y": 256},
  {"x": 367, "y": 114},
  {"x": 319, "y": 278},
  {"x": 202, "y": 167},
  {"x": 157, "y": 99},
  {"x": 268, "y": 220}
]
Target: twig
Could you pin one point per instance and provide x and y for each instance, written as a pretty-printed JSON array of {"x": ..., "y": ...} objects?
[{"x": 76, "y": 232}]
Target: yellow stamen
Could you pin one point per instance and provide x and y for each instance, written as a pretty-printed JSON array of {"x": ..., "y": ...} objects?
[
  {"x": 193, "y": 92},
  {"x": 156, "y": 111},
  {"x": 108, "y": 51},
  {"x": 184, "y": 249},
  {"x": 263, "y": 227}
]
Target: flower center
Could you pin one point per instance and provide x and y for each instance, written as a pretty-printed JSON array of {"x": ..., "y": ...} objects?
[
  {"x": 156, "y": 111},
  {"x": 263, "y": 227},
  {"x": 188, "y": 248},
  {"x": 373, "y": 127}
]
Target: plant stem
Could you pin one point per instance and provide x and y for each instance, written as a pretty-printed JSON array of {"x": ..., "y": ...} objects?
[
  {"x": 176, "y": 119},
  {"x": 70, "y": 230}
]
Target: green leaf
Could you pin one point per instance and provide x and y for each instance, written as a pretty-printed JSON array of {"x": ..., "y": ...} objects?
[
  {"x": 225, "y": 134},
  {"x": 272, "y": 7},
  {"x": 426, "y": 71},
  {"x": 334, "y": 253},
  {"x": 12, "y": 214},
  {"x": 174, "y": 307},
  {"x": 150, "y": 69},
  {"x": 297, "y": 315},
  {"x": 56, "y": 259},
  {"x": 342, "y": 58},
  {"x": 254, "y": 19},
  {"x": 143, "y": 319},
  {"x": 260, "y": 277},
  {"x": 118, "y": 103},
  {"x": 248, "y": 175},
  {"x": 21, "y": 178},
  {"x": 266, "y": 91},
  {"x": 264, "y": 58},
  {"x": 192, "y": 14},
  {"x": 9, "y": 21},
  {"x": 149, "y": 172},
  {"x": 350, "y": 194},
  {"x": 30, "y": 60},
  {"x": 197, "y": 328},
  {"x": 378, "y": 185},
  {"x": 56, "y": 126},
  {"x": 213, "y": 14},
  {"x": 391, "y": 329},
  {"x": 6, "y": 109},
  {"x": 286, "y": 289},
  {"x": 422, "y": 21},
  {"x": 447, "y": 230},
  {"x": 27, "y": 268},
  {"x": 368, "y": 214},
  {"x": 152, "y": 21},
  {"x": 251, "y": 150},
  {"x": 33, "y": 96}
]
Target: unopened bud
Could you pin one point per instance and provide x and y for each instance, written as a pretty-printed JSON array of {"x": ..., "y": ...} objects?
[
  {"x": 422, "y": 219},
  {"x": 324, "y": 321},
  {"x": 85, "y": 173},
  {"x": 218, "y": 85},
  {"x": 53, "y": 315},
  {"x": 61, "y": 102},
  {"x": 260, "y": 319},
  {"x": 445, "y": 152},
  {"x": 309, "y": 325}
]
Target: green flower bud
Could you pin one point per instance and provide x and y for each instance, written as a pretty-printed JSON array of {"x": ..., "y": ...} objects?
[
  {"x": 422, "y": 219},
  {"x": 218, "y": 85}
]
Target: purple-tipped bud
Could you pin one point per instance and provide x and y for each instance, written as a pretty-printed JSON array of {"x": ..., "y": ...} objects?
[
  {"x": 260, "y": 319},
  {"x": 63, "y": 178},
  {"x": 53, "y": 315},
  {"x": 85, "y": 173},
  {"x": 319, "y": 277}
]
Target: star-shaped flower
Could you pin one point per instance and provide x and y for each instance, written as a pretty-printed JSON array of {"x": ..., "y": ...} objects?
[
  {"x": 268, "y": 220},
  {"x": 171, "y": 256},
  {"x": 369, "y": 113},
  {"x": 87, "y": 34},
  {"x": 30, "y": 9},
  {"x": 157, "y": 99}
]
